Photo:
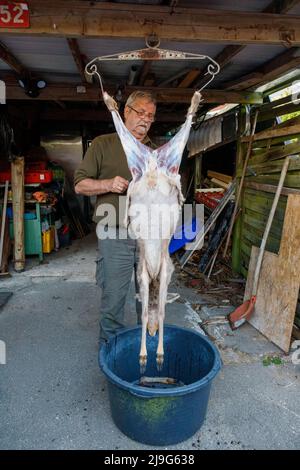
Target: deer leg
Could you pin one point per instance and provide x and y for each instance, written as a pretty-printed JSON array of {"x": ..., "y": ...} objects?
[
  {"x": 144, "y": 294},
  {"x": 163, "y": 290}
]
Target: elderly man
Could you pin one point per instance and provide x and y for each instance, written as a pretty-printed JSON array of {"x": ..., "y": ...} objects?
[{"x": 104, "y": 172}]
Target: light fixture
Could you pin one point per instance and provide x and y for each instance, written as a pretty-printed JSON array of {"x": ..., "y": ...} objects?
[{"x": 31, "y": 86}]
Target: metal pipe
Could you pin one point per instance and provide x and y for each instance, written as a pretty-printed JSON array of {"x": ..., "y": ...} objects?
[{"x": 132, "y": 75}]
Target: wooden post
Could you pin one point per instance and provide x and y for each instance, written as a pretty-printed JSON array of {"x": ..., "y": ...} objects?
[
  {"x": 17, "y": 182},
  {"x": 198, "y": 172}
]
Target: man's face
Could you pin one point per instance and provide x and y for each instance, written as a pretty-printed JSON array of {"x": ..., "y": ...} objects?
[{"x": 139, "y": 117}]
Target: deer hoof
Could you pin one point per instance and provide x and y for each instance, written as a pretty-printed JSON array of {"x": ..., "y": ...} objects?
[
  {"x": 159, "y": 361},
  {"x": 143, "y": 364}
]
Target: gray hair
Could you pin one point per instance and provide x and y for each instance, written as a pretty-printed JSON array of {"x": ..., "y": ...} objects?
[{"x": 138, "y": 95}]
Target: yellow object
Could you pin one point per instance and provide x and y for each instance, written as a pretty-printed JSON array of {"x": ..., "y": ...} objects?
[{"x": 48, "y": 240}]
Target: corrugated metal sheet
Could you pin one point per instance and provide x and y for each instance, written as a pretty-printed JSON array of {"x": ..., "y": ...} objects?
[
  {"x": 208, "y": 134},
  {"x": 53, "y": 55},
  {"x": 41, "y": 54}
]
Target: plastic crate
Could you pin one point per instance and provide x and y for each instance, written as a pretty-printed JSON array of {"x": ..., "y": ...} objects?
[
  {"x": 41, "y": 176},
  {"x": 30, "y": 177}
]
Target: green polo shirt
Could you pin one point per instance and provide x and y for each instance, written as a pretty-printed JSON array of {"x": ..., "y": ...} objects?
[{"x": 105, "y": 159}]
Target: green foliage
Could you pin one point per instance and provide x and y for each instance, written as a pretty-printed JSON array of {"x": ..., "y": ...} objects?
[{"x": 268, "y": 360}]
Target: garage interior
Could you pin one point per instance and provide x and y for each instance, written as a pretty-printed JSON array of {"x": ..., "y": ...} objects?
[{"x": 51, "y": 110}]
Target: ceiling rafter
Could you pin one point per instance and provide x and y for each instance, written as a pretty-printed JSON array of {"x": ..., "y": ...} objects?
[
  {"x": 77, "y": 56},
  {"x": 230, "y": 51},
  {"x": 282, "y": 63},
  {"x": 67, "y": 92},
  {"x": 8, "y": 57}
]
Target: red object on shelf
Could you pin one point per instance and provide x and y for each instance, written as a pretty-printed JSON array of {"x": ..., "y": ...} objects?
[
  {"x": 5, "y": 176},
  {"x": 44, "y": 176},
  {"x": 209, "y": 199},
  {"x": 31, "y": 177}
]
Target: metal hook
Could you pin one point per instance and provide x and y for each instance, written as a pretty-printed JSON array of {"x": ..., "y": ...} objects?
[
  {"x": 152, "y": 39},
  {"x": 212, "y": 69}
]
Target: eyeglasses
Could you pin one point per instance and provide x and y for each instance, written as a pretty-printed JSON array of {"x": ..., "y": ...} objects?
[{"x": 142, "y": 114}]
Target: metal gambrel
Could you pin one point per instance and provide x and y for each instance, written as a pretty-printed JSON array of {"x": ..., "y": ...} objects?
[{"x": 153, "y": 52}]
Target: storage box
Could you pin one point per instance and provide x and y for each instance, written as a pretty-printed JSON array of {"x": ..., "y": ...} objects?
[
  {"x": 41, "y": 176},
  {"x": 30, "y": 177},
  {"x": 48, "y": 240}
]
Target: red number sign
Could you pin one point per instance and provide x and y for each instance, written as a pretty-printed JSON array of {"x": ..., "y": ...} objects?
[{"x": 14, "y": 15}]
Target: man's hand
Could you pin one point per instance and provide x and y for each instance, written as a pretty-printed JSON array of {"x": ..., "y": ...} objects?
[{"x": 118, "y": 185}]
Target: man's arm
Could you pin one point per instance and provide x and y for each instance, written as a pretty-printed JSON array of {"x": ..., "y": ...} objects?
[
  {"x": 87, "y": 175},
  {"x": 93, "y": 187}
]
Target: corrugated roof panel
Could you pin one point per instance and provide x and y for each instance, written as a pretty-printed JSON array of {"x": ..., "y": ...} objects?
[{"x": 39, "y": 53}]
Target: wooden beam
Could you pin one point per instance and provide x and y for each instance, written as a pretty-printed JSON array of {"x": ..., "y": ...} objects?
[
  {"x": 78, "y": 114},
  {"x": 63, "y": 92},
  {"x": 269, "y": 188},
  {"x": 10, "y": 59},
  {"x": 170, "y": 79},
  {"x": 273, "y": 133},
  {"x": 144, "y": 72},
  {"x": 17, "y": 186},
  {"x": 227, "y": 54},
  {"x": 74, "y": 48},
  {"x": 189, "y": 78},
  {"x": 78, "y": 18},
  {"x": 272, "y": 69}
]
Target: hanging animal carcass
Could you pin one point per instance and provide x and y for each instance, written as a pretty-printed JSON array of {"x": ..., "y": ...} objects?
[{"x": 154, "y": 199}]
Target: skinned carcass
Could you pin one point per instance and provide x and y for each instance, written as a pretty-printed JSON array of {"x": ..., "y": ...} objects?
[{"x": 154, "y": 199}]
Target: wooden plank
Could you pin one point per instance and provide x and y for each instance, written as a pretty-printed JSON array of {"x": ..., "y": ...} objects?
[
  {"x": 68, "y": 92},
  {"x": 257, "y": 225},
  {"x": 279, "y": 282},
  {"x": 269, "y": 188},
  {"x": 219, "y": 183},
  {"x": 291, "y": 180},
  {"x": 105, "y": 19},
  {"x": 276, "y": 153},
  {"x": 272, "y": 113},
  {"x": 270, "y": 167},
  {"x": 219, "y": 176},
  {"x": 270, "y": 133}
]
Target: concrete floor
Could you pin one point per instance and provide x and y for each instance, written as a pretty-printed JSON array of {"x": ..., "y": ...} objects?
[{"x": 53, "y": 395}]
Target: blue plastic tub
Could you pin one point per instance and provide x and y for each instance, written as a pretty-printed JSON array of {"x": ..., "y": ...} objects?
[{"x": 159, "y": 416}]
